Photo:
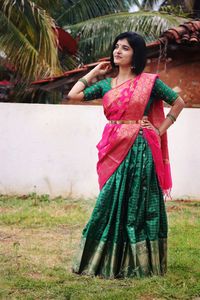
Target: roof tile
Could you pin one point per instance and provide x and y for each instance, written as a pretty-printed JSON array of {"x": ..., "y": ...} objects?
[{"x": 189, "y": 32}]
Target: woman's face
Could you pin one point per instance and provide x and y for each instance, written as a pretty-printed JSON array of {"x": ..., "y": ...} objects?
[{"x": 123, "y": 53}]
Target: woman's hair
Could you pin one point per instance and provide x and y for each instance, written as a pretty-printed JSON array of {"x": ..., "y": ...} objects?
[{"x": 138, "y": 45}]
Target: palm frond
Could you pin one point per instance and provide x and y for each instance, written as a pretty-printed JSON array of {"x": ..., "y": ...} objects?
[
  {"x": 175, "y": 10},
  {"x": 48, "y": 4},
  {"x": 97, "y": 35},
  {"x": 69, "y": 62},
  {"x": 81, "y": 10},
  {"x": 28, "y": 38}
]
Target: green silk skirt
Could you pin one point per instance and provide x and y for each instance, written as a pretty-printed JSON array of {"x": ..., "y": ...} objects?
[{"x": 126, "y": 235}]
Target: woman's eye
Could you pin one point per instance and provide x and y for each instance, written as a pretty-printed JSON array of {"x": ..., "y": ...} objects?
[{"x": 122, "y": 47}]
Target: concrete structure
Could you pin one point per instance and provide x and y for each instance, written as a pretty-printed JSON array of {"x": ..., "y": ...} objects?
[{"x": 50, "y": 149}]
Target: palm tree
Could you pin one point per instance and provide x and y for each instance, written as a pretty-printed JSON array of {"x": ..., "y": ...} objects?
[
  {"x": 97, "y": 33},
  {"x": 28, "y": 37},
  {"x": 28, "y": 31}
]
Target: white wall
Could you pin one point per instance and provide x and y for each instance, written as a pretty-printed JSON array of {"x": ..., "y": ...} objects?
[{"x": 50, "y": 149}]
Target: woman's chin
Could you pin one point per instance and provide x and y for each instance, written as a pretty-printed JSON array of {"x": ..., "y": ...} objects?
[{"x": 117, "y": 62}]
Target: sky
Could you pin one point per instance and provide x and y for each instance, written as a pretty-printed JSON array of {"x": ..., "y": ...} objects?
[{"x": 156, "y": 6}]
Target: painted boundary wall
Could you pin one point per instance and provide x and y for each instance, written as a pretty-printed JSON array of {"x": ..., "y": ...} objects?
[{"x": 50, "y": 149}]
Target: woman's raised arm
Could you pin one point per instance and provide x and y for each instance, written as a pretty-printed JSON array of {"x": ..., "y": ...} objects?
[{"x": 76, "y": 92}]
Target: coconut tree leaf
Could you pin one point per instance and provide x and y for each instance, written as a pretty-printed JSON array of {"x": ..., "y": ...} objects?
[
  {"x": 28, "y": 38},
  {"x": 97, "y": 35},
  {"x": 81, "y": 10}
]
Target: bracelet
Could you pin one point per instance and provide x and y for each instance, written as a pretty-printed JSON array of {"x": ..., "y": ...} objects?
[
  {"x": 84, "y": 81},
  {"x": 158, "y": 131},
  {"x": 171, "y": 117}
]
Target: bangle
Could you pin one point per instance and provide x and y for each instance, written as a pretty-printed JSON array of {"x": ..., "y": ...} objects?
[
  {"x": 158, "y": 131},
  {"x": 171, "y": 117},
  {"x": 84, "y": 81}
]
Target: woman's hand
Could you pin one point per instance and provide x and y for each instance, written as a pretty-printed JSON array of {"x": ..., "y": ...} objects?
[
  {"x": 145, "y": 123},
  {"x": 102, "y": 68}
]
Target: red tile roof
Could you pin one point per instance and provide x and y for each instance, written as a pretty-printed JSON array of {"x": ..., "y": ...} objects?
[{"x": 187, "y": 33}]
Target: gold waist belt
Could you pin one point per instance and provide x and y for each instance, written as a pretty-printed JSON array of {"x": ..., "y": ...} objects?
[{"x": 125, "y": 121}]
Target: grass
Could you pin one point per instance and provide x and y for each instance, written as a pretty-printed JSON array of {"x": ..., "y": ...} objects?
[{"x": 38, "y": 238}]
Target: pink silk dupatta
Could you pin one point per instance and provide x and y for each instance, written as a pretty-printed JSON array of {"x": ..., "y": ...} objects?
[
  {"x": 159, "y": 149},
  {"x": 128, "y": 102}
]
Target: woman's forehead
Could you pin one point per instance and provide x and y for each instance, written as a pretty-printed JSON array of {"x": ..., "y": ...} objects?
[{"x": 123, "y": 42}]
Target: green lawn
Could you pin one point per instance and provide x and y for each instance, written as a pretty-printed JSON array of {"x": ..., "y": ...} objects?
[{"x": 39, "y": 236}]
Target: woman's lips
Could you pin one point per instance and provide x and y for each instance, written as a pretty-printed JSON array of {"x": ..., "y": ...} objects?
[{"x": 117, "y": 56}]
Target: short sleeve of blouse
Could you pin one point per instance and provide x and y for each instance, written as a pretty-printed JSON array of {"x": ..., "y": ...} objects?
[
  {"x": 164, "y": 92},
  {"x": 93, "y": 92}
]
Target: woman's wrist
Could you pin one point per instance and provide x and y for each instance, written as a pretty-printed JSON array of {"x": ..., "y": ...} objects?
[
  {"x": 157, "y": 131},
  {"x": 88, "y": 78},
  {"x": 171, "y": 117},
  {"x": 84, "y": 81},
  {"x": 92, "y": 74}
]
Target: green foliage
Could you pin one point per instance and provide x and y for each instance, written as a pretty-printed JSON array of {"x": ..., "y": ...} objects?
[
  {"x": 177, "y": 10},
  {"x": 23, "y": 94},
  {"x": 75, "y": 11},
  {"x": 28, "y": 39},
  {"x": 98, "y": 34},
  {"x": 37, "y": 251}
]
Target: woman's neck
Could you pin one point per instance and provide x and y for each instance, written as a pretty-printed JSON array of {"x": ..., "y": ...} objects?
[{"x": 125, "y": 74}]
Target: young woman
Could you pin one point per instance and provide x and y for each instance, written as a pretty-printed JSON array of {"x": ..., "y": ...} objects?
[{"x": 126, "y": 235}]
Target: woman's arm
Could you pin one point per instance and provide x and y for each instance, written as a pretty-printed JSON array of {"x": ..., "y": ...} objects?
[
  {"x": 171, "y": 117},
  {"x": 164, "y": 92},
  {"x": 175, "y": 110},
  {"x": 76, "y": 92}
]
